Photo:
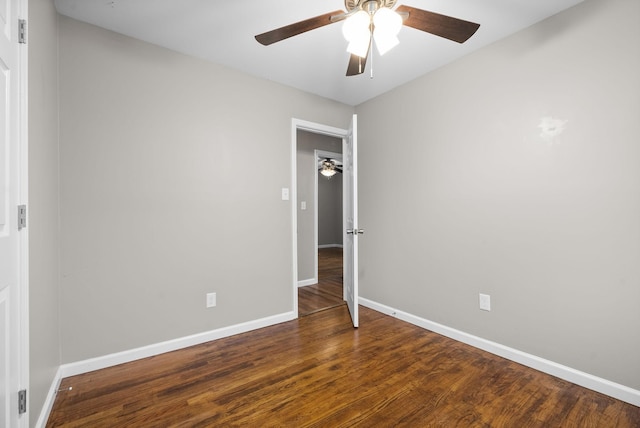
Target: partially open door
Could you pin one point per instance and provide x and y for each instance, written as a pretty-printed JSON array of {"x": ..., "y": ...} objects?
[
  {"x": 12, "y": 220},
  {"x": 350, "y": 222}
]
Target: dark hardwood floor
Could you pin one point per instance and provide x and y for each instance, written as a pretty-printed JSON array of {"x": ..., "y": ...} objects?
[
  {"x": 327, "y": 293},
  {"x": 318, "y": 371}
]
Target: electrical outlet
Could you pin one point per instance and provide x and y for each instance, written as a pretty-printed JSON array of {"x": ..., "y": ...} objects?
[
  {"x": 485, "y": 302},
  {"x": 211, "y": 300}
]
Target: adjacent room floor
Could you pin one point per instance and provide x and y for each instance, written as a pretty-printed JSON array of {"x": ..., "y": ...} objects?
[{"x": 327, "y": 293}]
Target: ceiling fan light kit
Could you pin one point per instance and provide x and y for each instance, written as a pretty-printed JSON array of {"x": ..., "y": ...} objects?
[
  {"x": 374, "y": 19},
  {"x": 329, "y": 167},
  {"x": 375, "y": 16},
  {"x": 328, "y": 172}
]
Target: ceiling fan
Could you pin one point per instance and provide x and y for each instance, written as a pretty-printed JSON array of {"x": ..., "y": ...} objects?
[
  {"x": 329, "y": 167},
  {"x": 374, "y": 20}
]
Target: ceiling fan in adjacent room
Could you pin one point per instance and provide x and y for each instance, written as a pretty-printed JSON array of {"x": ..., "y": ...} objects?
[
  {"x": 368, "y": 21},
  {"x": 329, "y": 167}
]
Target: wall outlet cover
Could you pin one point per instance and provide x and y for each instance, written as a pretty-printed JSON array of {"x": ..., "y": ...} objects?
[{"x": 211, "y": 300}]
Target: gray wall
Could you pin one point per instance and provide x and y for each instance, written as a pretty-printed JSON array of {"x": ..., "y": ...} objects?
[
  {"x": 549, "y": 227},
  {"x": 306, "y": 170},
  {"x": 44, "y": 237},
  {"x": 330, "y": 210},
  {"x": 169, "y": 191}
]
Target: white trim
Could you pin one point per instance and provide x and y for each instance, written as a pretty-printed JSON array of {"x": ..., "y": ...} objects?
[
  {"x": 105, "y": 361},
  {"x": 316, "y": 128},
  {"x": 295, "y": 123},
  {"x": 49, "y": 400},
  {"x": 305, "y": 282},
  {"x": 330, "y": 246},
  {"x": 315, "y": 216},
  {"x": 85, "y": 366},
  {"x": 604, "y": 386}
]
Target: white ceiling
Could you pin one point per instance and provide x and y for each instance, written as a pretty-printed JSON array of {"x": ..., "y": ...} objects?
[{"x": 316, "y": 61}]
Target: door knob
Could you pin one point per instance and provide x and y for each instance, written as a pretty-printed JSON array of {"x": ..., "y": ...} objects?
[{"x": 355, "y": 231}]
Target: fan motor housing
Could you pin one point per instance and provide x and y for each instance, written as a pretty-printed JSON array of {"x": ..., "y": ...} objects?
[{"x": 351, "y": 5}]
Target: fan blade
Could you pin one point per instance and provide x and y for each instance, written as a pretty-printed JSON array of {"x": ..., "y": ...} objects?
[
  {"x": 297, "y": 28},
  {"x": 450, "y": 28},
  {"x": 356, "y": 65}
]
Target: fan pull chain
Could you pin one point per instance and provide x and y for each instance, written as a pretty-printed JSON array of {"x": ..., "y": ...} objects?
[
  {"x": 371, "y": 55},
  {"x": 371, "y": 69}
]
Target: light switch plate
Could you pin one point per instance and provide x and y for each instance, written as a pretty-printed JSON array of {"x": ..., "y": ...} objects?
[
  {"x": 485, "y": 302},
  {"x": 285, "y": 194}
]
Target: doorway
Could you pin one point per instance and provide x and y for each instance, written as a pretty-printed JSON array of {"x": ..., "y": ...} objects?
[
  {"x": 351, "y": 231},
  {"x": 319, "y": 223},
  {"x": 325, "y": 289},
  {"x": 310, "y": 263}
]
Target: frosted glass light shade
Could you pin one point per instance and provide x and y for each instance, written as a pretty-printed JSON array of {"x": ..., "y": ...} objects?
[
  {"x": 359, "y": 47},
  {"x": 385, "y": 42},
  {"x": 355, "y": 25},
  {"x": 387, "y": 21},
  {"x": 386, "y": 26},
  {"x": 357, "y": 31},
  {"x": 328, "y": 172}
]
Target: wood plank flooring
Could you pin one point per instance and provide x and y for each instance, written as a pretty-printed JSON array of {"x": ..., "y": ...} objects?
[
  {"x": 327, "y": 293},
  {"x": 318, "y": 371}
]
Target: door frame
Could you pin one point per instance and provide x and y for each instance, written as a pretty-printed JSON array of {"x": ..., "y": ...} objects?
[{"x": 316, "y": 128}]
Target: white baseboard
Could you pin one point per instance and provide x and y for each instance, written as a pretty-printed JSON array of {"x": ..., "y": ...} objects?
[
  {"x": 98, "y": 363},
  {"x": 48, "y": 402},
  {"x": 330, "y": 246},
  {"x": 604, "y": 386},
  {"x": 305, "y": 282},
  {"x": 110, "y": 360}
]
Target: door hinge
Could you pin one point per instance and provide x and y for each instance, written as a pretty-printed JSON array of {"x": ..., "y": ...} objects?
[
  {"x": 22, "y": 217},
  {"x": 22, "y": 31},
  {"x": 22, "y": 401}
]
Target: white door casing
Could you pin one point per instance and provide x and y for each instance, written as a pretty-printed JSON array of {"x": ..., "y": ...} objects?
[
  {"x": 348, "y": 139},
  {"x": 12, "y": 193},
  {"x": 350, "y": 221}
]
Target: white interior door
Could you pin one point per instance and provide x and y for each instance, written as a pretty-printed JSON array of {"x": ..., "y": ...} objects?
[
  {"x": 10, "y": 108},
  {"x": 350, "y": 223}
]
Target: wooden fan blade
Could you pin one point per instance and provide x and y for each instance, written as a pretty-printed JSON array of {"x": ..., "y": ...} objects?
[
  {"x": 450, "y": 28},
  {"x": 297, "y": 28},
  {"x": 356, "y": 65}
]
